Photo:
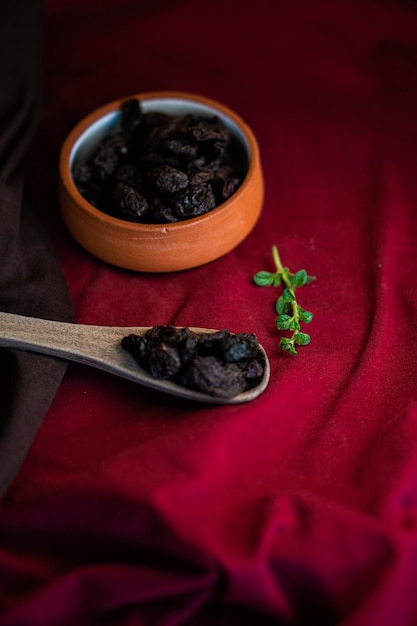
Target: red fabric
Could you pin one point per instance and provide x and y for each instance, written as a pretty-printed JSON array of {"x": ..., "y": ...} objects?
[{"x": 301, "y": 507}]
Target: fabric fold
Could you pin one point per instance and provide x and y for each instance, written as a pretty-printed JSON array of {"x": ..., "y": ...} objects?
[{"x": 31, "y": 280}]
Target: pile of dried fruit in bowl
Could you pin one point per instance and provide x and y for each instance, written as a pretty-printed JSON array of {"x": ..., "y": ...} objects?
[
  {"x": 161, "y": 168},
  {"x": 220, "y": 364}
]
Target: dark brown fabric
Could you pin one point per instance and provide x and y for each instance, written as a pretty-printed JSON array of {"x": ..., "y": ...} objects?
[{"x": 31, "y": 281}]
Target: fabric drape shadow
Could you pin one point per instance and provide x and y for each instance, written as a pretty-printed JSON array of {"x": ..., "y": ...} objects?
[{"x": 31, "y": 280}]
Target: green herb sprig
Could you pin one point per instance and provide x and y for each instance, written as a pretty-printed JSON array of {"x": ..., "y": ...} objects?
[{"x": 290, "y": 313}]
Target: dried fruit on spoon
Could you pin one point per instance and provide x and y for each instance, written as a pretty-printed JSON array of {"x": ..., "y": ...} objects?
[{"x": 220, "y": 364}]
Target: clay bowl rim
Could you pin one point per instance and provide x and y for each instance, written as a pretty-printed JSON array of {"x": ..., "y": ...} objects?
[{"x": 149, "y": 228}]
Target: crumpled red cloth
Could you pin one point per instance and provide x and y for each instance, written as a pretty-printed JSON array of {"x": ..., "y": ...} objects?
[{"x": 300, "y": 508}]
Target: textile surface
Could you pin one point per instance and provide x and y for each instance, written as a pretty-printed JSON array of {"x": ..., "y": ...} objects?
[
  {"x": 299, "y": 508},
  {"x": 31, "y": 279}
]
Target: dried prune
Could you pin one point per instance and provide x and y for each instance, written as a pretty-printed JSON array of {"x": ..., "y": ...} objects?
[
  {"x": 253, "y": 370},
  {"x": 194, "y": 201},
  {"x": 164, "y": 360},
  {"x": 198, "y": 174},
  {"x": 130, "y": 202},
  {"x": 220, "y": 364},
  {"x": 180, "y": 147},
  {"x": 163, "y": 213},
  {"x": 137, "y": 346},
  {"x": 229, "y": 187},
  {"x": 108, "y": 156},
  {"x": 176, "y": 167},
  {"x": 159, "y": 334},
  {"x": 182, "y": 338},
  {"x": 187, "y": 345},
  {"x": 240, "y": 347},
  {"x": 167, "y": 179},
  {"x": 210, "y": 376},
  {"x": 159, "y": 124},
  {"x": 211, "y": 129},
  {"x": 83, "y": 175},
  {"x": 212, "y": 344},
  {"x": 131, "y": 116},
  {"x": 130, "y": 175}
]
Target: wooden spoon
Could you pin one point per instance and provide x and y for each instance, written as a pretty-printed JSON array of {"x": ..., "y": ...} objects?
[{"x": 99, "y": 346}]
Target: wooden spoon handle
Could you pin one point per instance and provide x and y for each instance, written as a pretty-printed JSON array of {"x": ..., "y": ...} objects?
[{"x": 62, "y": 339}]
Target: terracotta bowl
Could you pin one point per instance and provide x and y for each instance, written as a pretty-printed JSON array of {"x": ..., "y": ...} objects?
[{"x": 159, "y": 247}]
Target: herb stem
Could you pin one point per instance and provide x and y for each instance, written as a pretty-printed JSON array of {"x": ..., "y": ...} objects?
[
  {"x": 277, "y": 259},
  {"x": 290, "y": 313},
  {"x": 286, "y": 278}
]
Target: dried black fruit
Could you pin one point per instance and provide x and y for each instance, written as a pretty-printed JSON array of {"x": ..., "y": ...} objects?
[
  {"x": 83, "y": 175},
  {"x": 240, "y": 347},
  {"x": 163, "y": 213},
  {"x": 160, "y": 334},
  {"x": 164, "y": 360},
  {"x": 107, "y": 157},
  {"x": 131, "y": 116},
  {"x": 194, "y": 201},
  {"x": 210, "y": 376},
  {"x": 130, "y": 175},
  {"x": 130, "y": 203},
  {"x": 136, "y": 345},
  {"x": 167, "y": 179},
  {"x": 220, "y": 364},
  {"x": 211, "y": 129},
  {"x": 197, "y": 174},
  {"x": 180, "y": 147},
  {"x": 229, "y": 187},
  {"x": 176, "y": 167},
  {"x": 159, "y": 125},
  {"x": 253, "y": 370},
  {"x": 212, "y": 344}
]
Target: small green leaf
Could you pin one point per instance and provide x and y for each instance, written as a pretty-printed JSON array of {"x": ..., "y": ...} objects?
[
  {"x": 277, "y": 280},
  {"x": 282, "y": 306},
  {"x": 294, "y": 325},
  {"x": 299, "y": 279},
  {"x": 305, "y": 316},
  {"x": 287, "y": 345},
  {"x": 283, "y": 322},
  {"x": 310, "y": 279},
  {"x": 263, "y": 279},
  {"x": 302, "y": 339},
  {"x": 288, "y": 296}
]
